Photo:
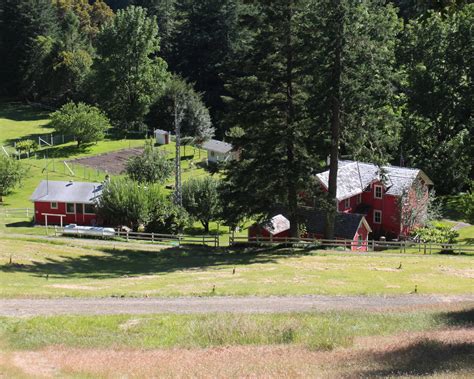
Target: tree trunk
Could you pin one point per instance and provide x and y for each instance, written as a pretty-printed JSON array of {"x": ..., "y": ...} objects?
[
  {"x": 290, "y": 148},
  {"x": 335, "y": 122}
]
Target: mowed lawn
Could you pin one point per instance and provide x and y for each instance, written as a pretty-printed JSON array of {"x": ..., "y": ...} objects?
[{"x": 79, "y": 268}]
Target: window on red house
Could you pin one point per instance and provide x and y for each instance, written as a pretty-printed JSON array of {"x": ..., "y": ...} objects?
[
  {"x": 359, "y": 198},
  {"x": 347, "y": 203},
  {"x": 378, "y": 192},
  {"x": 377, "y": 217},
  {"x": 54, "y": 205},
  {"x": 70, "y": 208},
  {"x": 89, "y": 209}
]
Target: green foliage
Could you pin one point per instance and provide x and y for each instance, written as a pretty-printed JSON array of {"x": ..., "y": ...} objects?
[
  {"x": 126, "y": 202},
  {"x": 201, "y": 200},
  {"x": 152, "y": 166},
  {"x": 205, "y": 43},
  {"x": 437, "y": 234},
  {"x": 194, "y": 116},
  {"x": 128, "y": 74},
  {"x": 11, "y": 174},
  {"x": 21, "y": 22},
  {"x": 464, "y": 204},
  {"x": 86, "y": 122},
  {"x": 438, "y": 124},
  {"x": 26, "y": 145}
]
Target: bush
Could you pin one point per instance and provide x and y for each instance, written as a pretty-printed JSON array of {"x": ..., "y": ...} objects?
[
  {"x": 150, "y": 167},
  {"x": 27, "y": 146},
  {"x": 437, "y": 234},
  {"x": 126, "y": 202},
  {"x": 11, "y": 174}
]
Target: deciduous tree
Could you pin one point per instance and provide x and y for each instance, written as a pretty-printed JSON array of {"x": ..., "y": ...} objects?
[
  {"x": 87, "y": 123},
  {"x": 129, "y": 75}
]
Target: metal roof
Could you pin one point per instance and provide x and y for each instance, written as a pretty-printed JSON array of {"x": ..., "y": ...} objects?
[
  {"x": 67, "y": 192},
  {"x": 346, "y": 224},
  {"x": 354, "y": 177},
  {"x": 276, "y": 224},
  {"x": 161, "y": 131},
  {"x": 217, "y": 146}
]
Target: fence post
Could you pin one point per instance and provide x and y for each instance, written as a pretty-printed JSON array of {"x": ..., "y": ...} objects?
[
  {"x": 430, "y": 247},
  {"x": 373, "y": 245},
  {"x": 127, "y": 236},
  {"x": 152, "y": 237}
]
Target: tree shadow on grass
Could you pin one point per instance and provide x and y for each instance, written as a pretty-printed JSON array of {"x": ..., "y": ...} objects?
[
  {"x": 22, "y": 112},
  {"x": 424, "y": 357},
  {"x": 65, "y": 151},
  {"x": 116, "y": 263}
]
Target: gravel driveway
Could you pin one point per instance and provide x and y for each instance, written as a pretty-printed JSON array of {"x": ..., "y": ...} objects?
[{"x": 34, "y": 307}]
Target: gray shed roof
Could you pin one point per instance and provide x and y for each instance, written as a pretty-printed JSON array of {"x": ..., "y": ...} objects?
[
  {"x": 161, "y": 131},
  {"x": 217, "y": 146},
  {"x": 354, "y": 177},
  {"x": 67, "y": 192}
]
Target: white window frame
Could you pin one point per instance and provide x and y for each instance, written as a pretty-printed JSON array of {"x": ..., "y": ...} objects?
[
  {"x": 71, "y": 213},
  {"x": 347, "y": 203},
  {"x": 84, "y": 209},
  {"x": 377, "y": 212},
  {"x": 375, "y": 192},
  {"x": 359, "y": 198},
  {"x": 55, "y": 205}
]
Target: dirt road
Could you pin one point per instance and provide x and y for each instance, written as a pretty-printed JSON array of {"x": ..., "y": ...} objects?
[{"x": 95, "y": 306}]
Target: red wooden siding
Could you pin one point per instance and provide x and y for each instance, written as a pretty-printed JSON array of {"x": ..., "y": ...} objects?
[{"x": 78, "y": 218}]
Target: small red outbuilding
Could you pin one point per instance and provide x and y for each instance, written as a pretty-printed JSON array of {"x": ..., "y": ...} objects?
[
  {"x": 348, "y": 226},
  {"x": 62, "y": 203}
]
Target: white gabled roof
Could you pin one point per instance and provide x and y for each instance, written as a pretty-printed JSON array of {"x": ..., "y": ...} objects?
[
  {"x": 161, "y": 131},
  {"x": 67, "y": 192},
  {"x": 217, "y": 146},
  {"x": 276, "y": 224},
  {"x": 354, "y": 177}
]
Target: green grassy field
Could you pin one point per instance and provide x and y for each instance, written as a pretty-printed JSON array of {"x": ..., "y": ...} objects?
[
  {"x": 19, "y": 121},
  {"x": 80, "y": 268},
  {"x": 319, "y": 331}
]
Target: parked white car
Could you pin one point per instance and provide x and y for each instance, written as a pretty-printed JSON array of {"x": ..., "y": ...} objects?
[{"x": 95, "y": 231}]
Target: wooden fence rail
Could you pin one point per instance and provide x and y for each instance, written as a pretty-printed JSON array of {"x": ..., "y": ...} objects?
[
  {"x": 17, "y": 212},
  {"x": 181, "y": 239},
  {"x": 372, "y": 245}
]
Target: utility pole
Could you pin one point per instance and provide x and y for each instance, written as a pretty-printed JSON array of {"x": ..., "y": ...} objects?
[{"x": 178, "y": 194}]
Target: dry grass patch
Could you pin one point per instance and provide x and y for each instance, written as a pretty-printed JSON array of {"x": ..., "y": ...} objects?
[{"x": 445, "y": 353}]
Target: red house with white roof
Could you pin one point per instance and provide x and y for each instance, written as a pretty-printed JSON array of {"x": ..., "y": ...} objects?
[
  {"x": 393, "y": 199},
  {"x": 62, "y": 203}
]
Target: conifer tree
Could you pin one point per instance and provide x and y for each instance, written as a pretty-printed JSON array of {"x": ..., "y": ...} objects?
[
  {"x": 351, "y": 58},
  {"x": 268, "y": 103}
]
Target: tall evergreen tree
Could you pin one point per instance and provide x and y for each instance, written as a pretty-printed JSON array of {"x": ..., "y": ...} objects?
[
  {"x": 205, "y": 42},
  {"x": 128, "y": 74},
  {"x": 351, "y": 57},
  {"x": 21, "y": 22},
  {"x": 437, "y": 54},
  {"x": 268, "y": 102}
]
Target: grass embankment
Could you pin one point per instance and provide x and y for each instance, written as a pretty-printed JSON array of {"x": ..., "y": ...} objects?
[
  {"x": 318, "y": 331},
  {"x": 82, "y": 268}
]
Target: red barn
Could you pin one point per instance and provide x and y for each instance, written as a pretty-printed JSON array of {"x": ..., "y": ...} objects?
[
  {"x": 393, "y": 199},
  {"x": 61, "y": 203},
  {"x": 348, "y": 226}
]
